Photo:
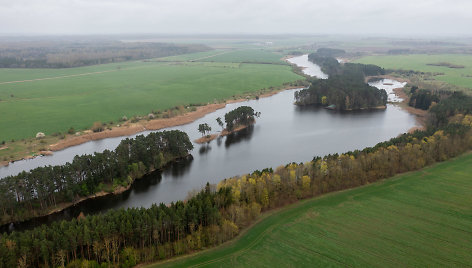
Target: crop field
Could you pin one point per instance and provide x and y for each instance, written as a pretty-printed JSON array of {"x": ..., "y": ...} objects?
[
  {"x": 53, "y": 100},
  {"x": 419, "y": 62},
  {"x": 422, "y": 218},
  {"x": 193, "y": 56},
  {"x": 249, "y": 55},
  {"x": 231, "y": 55}
]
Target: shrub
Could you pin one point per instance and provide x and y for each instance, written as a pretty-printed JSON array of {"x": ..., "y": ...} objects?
[
  {"x": 134, "y": 119},
  {"x": 97, "y": 127},
  {"x": 71, "y": 130}
]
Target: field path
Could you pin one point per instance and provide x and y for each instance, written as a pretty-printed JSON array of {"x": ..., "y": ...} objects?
[
  {"x": 55, "y": 77},
  {"x": 211, "y": 56}
]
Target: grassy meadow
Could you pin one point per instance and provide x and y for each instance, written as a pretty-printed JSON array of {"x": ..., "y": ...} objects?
[
  {"x": 56, "y": 99},
  {"x": 457, "y": 76},
  {"x": 421, "y": 218},
  {"x": 231, "y": 55}
]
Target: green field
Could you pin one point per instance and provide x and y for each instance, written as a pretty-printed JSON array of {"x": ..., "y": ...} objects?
[
  {"x": 249, "y": 55},
  {"x": 231, "y": 55},
  {"x": 418, "y": 62},
  {"x": 421, "y": 218},
  {"x": 77, "y": 97}
]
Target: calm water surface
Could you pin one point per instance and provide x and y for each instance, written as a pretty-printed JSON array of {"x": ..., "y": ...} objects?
[
  {"x": 309, "y": 68},
  {"x": 284, "y": 133},
  {"x": 389, "y": 85}
]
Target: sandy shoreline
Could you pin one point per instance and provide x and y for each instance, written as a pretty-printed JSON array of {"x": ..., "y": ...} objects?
[
  {"x": 128, "y": 129},
  {"x": 386, "y": 76},
  {"x": 419, "y": 114},
  {"x": 208, "y": 138},
  {"x": 155, "y": 124},
  {"x": 133, "y": 128}
]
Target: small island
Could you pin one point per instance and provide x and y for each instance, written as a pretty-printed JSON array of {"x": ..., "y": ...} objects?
[
  {"x": 236, "y": 120},
  {"x": 345, "y": 89}
]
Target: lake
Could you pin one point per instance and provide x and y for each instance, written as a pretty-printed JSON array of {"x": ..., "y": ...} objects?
[{"x": 284, "y": 133}]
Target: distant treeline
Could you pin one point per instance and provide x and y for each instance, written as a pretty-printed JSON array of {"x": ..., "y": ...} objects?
[
  {"x": 36, "y": 192},
  {"x": 345, "y": 88},
  {"x": 66, "y": 55},
  {"x": 329, "y": 52},
  {"x": 126, "y": 237}
]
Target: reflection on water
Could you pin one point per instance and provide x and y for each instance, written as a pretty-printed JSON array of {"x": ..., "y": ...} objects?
[
  {"x": 204, "y": 148},
  {"x": 240, "y": 136},
  {"x": 179, "y": 168}
]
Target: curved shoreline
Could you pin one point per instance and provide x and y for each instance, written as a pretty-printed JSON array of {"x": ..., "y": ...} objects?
[
  {"x": 128, "y": 129},
  {"x": 420, "y": 115}
]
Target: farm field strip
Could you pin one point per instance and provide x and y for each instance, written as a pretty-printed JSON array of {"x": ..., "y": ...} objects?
[
  {"x": 49, "y": 102},
  {"x": 414, "y": 219},
  {"x": 419, "y": 62}
]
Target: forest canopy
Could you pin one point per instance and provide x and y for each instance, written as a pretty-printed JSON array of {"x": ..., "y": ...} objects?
[{"x": 34, "y": 193}]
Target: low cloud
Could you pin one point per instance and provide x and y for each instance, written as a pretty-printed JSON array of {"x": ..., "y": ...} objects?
[{"x": 426, "y": 17}]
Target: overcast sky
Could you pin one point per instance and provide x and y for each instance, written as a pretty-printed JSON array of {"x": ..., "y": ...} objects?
[{"x": 410, "y": 17}]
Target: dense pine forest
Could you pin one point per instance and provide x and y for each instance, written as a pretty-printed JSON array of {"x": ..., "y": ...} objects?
[
  {"x": 35, "y": 193},
  {"x": 345, "y": 88},
  {"x": 216, "y": 214}
]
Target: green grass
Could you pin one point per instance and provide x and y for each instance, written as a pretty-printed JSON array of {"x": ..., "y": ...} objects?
[
  {"x": 421, "y": 218},
  {"x": 418, "y": 62},
  {"x": 248, "y": 55},
  {"x": 231, "y": 55},
  {"x": 130, "y": 88},
  {"x": 193, "y": 56}
]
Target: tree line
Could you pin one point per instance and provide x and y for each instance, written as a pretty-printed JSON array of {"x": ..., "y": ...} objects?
[
  {"x": 76, "y": 54},
  {"x": 35, "y": 193},
  {"x": 325, "y": 58},
  {"x": 343, "y": 93},
  {"x": 216, "y": 214}
]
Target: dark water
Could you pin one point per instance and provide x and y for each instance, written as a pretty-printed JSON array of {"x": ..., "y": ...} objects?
[{"x": 284, "y": 133}]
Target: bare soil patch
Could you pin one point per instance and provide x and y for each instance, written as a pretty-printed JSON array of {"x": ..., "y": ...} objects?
[{"x": 206, "y": 138}]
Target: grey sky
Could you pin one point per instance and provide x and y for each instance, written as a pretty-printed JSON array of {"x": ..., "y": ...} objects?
[{"x": 428, "y": 17}]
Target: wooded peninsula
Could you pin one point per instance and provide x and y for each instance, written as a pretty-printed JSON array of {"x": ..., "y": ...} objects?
[
  {"x": 43, "y": 189},
  {"x": 345, "y": 88}
]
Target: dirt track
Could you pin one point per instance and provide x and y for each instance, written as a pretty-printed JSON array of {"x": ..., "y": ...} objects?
[{"x": 55, "y": 77}]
